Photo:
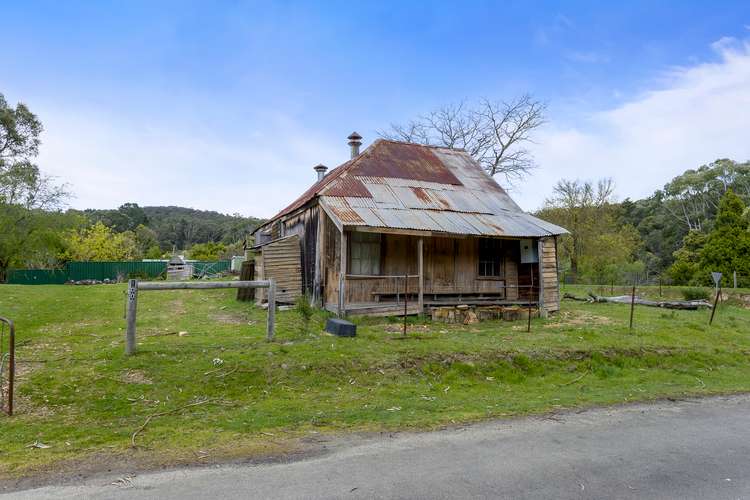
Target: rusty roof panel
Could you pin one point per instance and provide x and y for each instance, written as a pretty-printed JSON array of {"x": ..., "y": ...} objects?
[
  {"x": 397, "y": 181},
  {"x": 403, "y": 160},
  {"x": 347, "y": 185}
]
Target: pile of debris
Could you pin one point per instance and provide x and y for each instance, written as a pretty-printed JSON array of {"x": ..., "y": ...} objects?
[{"x": 467, "y": 314}]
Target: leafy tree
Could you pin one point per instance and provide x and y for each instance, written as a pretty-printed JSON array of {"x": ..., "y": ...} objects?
[
  {"x": 609, "y": 256},
  {"x": 146, "y": 239},
  {"x": 579, "y": 207},
  {"x": 601, "y": 247},
  {"x": 207, "y": 251},
  {"x": 29, "y": 201},
  {"x": 727, "y": 247},
  {"x": 686, "y": 269},
  {"x": 153, "y": 252},
  {"x": 100, "y": 243}
]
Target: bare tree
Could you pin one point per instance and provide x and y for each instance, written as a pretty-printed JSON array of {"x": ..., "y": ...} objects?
[{"x": 496, "y": 134}]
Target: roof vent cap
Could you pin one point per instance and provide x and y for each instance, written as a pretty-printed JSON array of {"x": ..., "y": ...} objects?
[
  {"x": 321, "y": 170},
  {"x": 355, "y": 141}
]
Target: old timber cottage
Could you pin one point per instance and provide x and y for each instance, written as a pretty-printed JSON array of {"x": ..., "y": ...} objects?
[{"x": 407, "y": 221}]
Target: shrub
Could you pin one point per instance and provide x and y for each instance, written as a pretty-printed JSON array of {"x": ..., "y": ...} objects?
[
  {"x": 305, "y": 311},
  {"x": 696, "y": 293}
]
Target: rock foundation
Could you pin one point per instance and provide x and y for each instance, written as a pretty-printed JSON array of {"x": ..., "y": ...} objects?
[{"x": 467, "y": 315}]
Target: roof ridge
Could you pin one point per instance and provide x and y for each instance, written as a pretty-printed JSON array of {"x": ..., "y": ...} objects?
[{"x": 433, "y": 146}]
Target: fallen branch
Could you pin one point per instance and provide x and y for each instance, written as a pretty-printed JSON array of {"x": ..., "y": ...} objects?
[
  {"x": 579, "y": 299},
  {"x": 687, "y": 305},
  {"x": 161, "y": 414}
]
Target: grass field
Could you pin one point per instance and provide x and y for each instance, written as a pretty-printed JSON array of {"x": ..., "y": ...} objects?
[{"x": 222, "y": 391}]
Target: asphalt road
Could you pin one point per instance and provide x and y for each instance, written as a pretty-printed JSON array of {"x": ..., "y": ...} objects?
[{"x": 686, "y": 449}]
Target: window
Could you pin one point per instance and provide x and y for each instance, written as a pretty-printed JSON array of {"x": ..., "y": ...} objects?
[
  {"x": 490, "y": 258},
  {"x": 365, "y": 253}
]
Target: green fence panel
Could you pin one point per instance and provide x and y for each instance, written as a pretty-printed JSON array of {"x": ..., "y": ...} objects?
[
  {"x": 37, "y": 276},
  {"x": 114, "y": 270},
  {"x": 79, "y": 271}
]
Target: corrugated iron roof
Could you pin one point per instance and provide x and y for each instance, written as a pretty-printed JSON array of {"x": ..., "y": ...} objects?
[
  {"x": 409, "y": 186},
  {"x": 510, "y": 224}
]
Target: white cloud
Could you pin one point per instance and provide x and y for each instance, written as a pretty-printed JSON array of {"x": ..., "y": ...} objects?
[{"x": 699, "y": 113}]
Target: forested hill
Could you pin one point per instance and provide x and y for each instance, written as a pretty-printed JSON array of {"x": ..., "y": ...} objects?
[{"x": 177, "y": 227}]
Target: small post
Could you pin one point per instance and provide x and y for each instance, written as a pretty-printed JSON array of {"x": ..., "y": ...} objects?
[
  {"x": 131, "y": 317},
  {"x": 660, "y": 285},
  {"x": 420, "y": 266},
  {"x": 271, "y": 309},
  {"x": 11, "y": 362},
  {"x": 716, "y": 302},
  {"x": 632, "y": 306},
  {"x": 528, "y": 325},
  {"x": 406, "y": 298}
]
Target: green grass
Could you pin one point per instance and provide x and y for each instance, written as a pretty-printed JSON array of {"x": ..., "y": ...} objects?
[{"x": 80, "y": 395}]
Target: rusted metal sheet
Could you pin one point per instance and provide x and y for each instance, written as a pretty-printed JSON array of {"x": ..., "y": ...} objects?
[
  {"x": 347, "y": 185},
  {"x": 339, "y": 208},
  {"x": 406, "y": 161}
]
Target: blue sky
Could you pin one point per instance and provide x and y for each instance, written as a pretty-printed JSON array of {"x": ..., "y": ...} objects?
[{"x": 228, "y": 105}]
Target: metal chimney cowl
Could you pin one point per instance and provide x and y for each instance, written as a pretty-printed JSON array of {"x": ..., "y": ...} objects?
[
  {"x": 321, "y": 170},
  {"x": 355, "y": 141}
]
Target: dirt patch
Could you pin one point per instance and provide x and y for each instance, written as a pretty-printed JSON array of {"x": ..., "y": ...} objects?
[
  {"x": 409, "y": 328},
  {"x": 135, "y": 377},
  {"x": 570, "y": 318},
  {"x": 228, "y": 318}
]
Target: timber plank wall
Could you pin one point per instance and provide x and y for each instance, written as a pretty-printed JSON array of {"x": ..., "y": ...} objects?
[
  {"x": 281, "y": 261},
  {"x": 548, "y": 261}
]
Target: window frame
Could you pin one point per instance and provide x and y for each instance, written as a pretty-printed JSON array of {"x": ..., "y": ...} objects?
[
  {"x": 497, "y": 261},
  {"x": 374, "y": 249}
]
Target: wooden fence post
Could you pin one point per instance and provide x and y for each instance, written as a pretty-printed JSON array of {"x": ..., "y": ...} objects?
[
  {"x": 271, "y": 309},
  {"x": 420, "y": 267},
  {"x": 716, "y": 302},
  {"x": 131, "y": 317}
]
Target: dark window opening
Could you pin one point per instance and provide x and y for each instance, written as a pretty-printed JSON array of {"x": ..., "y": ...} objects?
[
  {"x": 364, "y": 254},
  {"x": 491, "y": 258}
]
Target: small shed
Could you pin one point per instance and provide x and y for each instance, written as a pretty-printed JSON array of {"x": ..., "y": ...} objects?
[{"x": 178, "y": 269}]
